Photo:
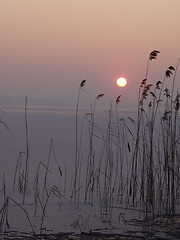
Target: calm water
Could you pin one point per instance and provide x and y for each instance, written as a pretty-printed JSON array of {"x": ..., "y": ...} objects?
[
  {"x": 44, "y": 125},
  {"x": 62, "y": 213}
]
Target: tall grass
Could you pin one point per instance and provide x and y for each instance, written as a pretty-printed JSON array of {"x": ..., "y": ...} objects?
[
  {"x": 129, "y": 161},
  {"x": 75, "y": 188},
  {"x": 26, "y": 174},
  {"x": 145, "y": 168},
  {"x": 155, "y": 156},
  {"x": 91, "y": 170}
]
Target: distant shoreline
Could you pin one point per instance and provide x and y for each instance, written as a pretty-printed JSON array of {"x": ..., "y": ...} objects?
[{"x": 60, "y": 109}]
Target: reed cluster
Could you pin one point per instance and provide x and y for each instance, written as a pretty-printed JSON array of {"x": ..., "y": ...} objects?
[
  {"x": 135, "y": 161},
  {"x": 138, "y": 160}
]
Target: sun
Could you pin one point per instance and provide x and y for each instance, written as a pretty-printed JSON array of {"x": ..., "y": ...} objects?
[{"x": 121, "y": 82}]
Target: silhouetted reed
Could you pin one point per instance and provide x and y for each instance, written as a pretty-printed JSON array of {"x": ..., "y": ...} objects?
[
  {"x": 26, "y": 173},
  {"x": 129, "y": 161},
  {"x": 19, "y": 173},
  {"x": 75, "y": 188},
  {"x": 91, "y": 170}
]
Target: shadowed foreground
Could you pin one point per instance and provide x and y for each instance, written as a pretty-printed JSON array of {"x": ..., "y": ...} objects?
[
  {"x": 165, "y": 234},
  {"x": 158, "y": 228}
]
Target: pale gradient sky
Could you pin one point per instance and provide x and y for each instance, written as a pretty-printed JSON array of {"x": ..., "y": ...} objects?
[{"x": 47, "y": 47}]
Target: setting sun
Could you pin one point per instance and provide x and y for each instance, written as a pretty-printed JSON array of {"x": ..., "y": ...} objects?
[{"x": 121, "y": 82}]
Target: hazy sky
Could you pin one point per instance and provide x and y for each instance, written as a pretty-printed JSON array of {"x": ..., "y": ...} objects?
[{"x": 47, "y": 47}]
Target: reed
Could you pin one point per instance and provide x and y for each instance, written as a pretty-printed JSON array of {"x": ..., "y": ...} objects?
[
  {"x": 24, "y": 210},
  {"x": 154, "y": 157},
  {"x": 19, "y": 173},
  {"x": 75, "y": 188},
  {"x": 54, "y": 190},
  {"x": 4, "y": 223},
  {"x": 26, "y": 174},
  {"x": 36, "y": 186},
  {"x": 91, "y": 171},
  {"x": 136, "y": 164},
  {"x": 47, "y": 168}
]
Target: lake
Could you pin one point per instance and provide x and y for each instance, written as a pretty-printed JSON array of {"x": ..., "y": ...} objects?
[{"x": 78, "y": 173}]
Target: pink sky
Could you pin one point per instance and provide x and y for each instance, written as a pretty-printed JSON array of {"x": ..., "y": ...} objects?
[{"x": 49, "y": 46}]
